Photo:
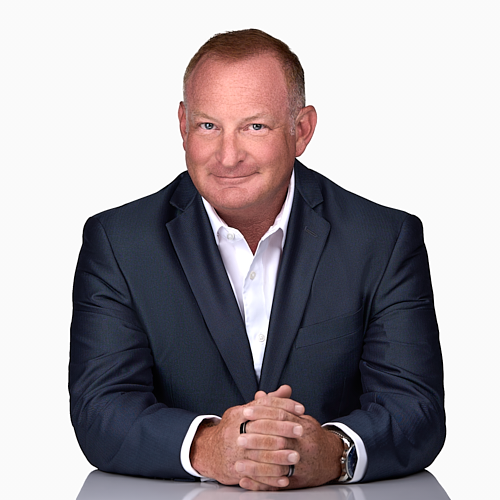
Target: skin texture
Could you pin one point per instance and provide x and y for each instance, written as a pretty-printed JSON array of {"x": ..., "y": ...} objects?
[
  {"x": 279, "y": 434},
  {"x": 241, "y": 143},
  {"x": 236, "y": 130}
]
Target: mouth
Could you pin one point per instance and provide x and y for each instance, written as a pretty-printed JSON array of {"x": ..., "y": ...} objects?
[
  {"x": 242, "y": 176},
  {"x": 233, "y": 179}
]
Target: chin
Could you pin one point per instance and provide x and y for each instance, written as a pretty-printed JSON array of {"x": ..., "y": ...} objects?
[
  {"x": 230, "y": 198},
  {"x": 231, "y": 204}
]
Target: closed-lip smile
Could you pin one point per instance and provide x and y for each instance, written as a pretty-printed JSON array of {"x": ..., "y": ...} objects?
[{"x": 233, "y": 178}]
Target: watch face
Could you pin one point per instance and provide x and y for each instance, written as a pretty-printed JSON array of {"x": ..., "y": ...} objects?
[{"x": 352, "y": 460}]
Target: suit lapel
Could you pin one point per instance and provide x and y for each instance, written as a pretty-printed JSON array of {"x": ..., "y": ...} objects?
[
  {"x": 306, "y": 237},
  {"x": 194, "y": 243},
  {"x": 193, "y": 240}
]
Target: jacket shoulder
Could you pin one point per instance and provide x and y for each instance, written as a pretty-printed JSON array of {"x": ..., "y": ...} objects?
[
  {"x": 340, "y": 206},
  {"x": 155, "y": 209}
]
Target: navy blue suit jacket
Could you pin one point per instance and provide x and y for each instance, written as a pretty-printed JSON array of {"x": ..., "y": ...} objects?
[{"x": 157, "y": 337}]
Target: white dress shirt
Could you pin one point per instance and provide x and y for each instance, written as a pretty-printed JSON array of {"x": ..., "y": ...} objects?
[{"x": 253, "y": 279}]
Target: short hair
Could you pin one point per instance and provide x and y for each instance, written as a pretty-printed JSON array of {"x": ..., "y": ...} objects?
[{"x": 243, "y": 44}]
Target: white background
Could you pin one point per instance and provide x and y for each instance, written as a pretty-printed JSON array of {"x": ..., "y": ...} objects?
[{"x": 407, "y": 94}]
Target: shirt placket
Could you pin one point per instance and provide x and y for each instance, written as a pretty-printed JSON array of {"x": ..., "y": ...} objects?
[{"x": 256, "y": 319}]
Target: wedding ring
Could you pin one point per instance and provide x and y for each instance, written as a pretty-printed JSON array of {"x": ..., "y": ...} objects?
[
  {"x": 291, "y": 471},
  {"x": 243, "y": 427}
]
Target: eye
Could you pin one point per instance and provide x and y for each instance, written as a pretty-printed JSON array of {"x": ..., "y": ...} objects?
[
  {"x": 257, "y": 126},
  {"x": 207, "y": 126}
]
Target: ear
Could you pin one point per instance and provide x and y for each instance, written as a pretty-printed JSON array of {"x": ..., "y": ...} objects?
[
  {"x": 183, "y": 123},
  {"x": 305, "y": 124}
]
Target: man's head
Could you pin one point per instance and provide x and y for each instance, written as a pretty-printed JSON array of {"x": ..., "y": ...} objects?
[
  {"x": 244, "y": 44},
  {"x": 239, "y": 133}
]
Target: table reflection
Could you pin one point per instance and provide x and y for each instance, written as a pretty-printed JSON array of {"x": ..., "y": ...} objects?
[{"x": 103, "y": 486}]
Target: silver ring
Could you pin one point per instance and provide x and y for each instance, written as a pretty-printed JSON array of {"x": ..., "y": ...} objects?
[
  {"x": 291, "y": 471},
  {"x": 243, "y": 427}
]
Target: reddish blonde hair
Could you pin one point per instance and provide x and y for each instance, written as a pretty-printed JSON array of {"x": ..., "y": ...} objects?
[{"x": 237, "y": 45}]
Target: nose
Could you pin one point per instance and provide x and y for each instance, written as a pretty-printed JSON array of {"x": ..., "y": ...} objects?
[{"x": 230, "y": 151}]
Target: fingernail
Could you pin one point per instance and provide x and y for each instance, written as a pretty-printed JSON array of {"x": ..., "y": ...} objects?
[
  {"x": 293, "y": 458},
  {"x": 248, "y": 412},
  {"x": 241, "y": 441},
  {"x": 299, "y": 409},
  {"x": 297, "y": 430},
  {"x": 283, "y": 482},
  {"x": 240, "y": 467}
]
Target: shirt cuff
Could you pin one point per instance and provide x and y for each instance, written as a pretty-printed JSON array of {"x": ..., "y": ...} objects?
[
  {"x": 360, "y": 470},
  {"x": 188, "y": 441}
]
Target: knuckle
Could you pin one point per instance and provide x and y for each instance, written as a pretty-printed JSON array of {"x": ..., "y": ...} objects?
[
  {"x": 269, "y": 443},
  {"x": 225, "y": 434},
  {"x": 266, "y": 456},
  {"x": 280, "y": 442},
  {"x": 251, "y": 455},
  {"x": 284, "y": 428},
  {"x": 252, "y": 469}
]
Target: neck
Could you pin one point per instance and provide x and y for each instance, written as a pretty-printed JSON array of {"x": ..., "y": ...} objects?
[
  {"x": 253, "y": 232},
  {"x": 253, "y": 226}
]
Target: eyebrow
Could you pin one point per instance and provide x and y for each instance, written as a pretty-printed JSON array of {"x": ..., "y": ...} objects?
[
  {"x": 258, "y": 116},
  {"x": 197, "y": 114}
]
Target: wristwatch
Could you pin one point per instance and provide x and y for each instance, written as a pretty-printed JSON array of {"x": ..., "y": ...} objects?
[{"x": 349, "y": 458}]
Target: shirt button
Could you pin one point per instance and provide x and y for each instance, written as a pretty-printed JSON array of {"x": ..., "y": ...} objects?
[
  {"x": 262, "y": 337},
  {"x": 252, "y": 275},
  {"x": 230, "y": 236}
]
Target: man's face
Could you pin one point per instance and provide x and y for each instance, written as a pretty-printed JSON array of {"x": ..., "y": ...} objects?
[{"x": 237, "y": 134}]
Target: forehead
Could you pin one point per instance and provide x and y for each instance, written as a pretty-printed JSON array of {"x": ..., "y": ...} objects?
[{"x": 255, "y": 81}]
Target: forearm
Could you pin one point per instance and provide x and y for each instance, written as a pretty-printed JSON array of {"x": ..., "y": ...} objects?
[
  {"x": 187, "y": 443},
  {"x": 201, "y": 450},
  {"x": 401, "y": 436},
  {"x": 119, "y": 423},
  {"x": 130, "y": 433},
  {"x": 401, "y": 417},
  {"x": 362, "y": 458}
]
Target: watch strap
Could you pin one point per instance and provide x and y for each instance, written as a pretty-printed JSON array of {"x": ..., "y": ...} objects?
[{"x": 349, "y": 448}]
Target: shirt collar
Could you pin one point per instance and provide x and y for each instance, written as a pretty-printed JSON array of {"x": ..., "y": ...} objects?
[{"x": 281, "y": 221}]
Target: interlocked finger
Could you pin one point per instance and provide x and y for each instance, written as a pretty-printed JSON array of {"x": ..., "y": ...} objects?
[
  {"x": 288, "y": 405},
  {"x": 252, "y": 469},
  {"x": 272, "y": 428},
  {"x": 264, "y": 442},
  {"x": 264, "y": 483},
  {"x": 280, "y": 457}
]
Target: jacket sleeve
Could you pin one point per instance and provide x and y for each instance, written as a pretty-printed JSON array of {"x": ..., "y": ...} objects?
[
  {"x": 401, "y": 420},
  {"x": 120, "y": 425}
]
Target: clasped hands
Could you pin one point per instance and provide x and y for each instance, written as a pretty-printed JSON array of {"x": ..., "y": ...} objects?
[{"x": 278, "y": 434}]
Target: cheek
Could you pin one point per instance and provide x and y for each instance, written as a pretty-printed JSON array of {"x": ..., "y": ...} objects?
[
  {"x": 265, "y": 152},
  {"x": 197, "y": 151},
  {"x": 277, "y": 155}
]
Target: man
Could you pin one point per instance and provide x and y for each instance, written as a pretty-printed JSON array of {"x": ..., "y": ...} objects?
[{"x": 199, "y": 309}]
